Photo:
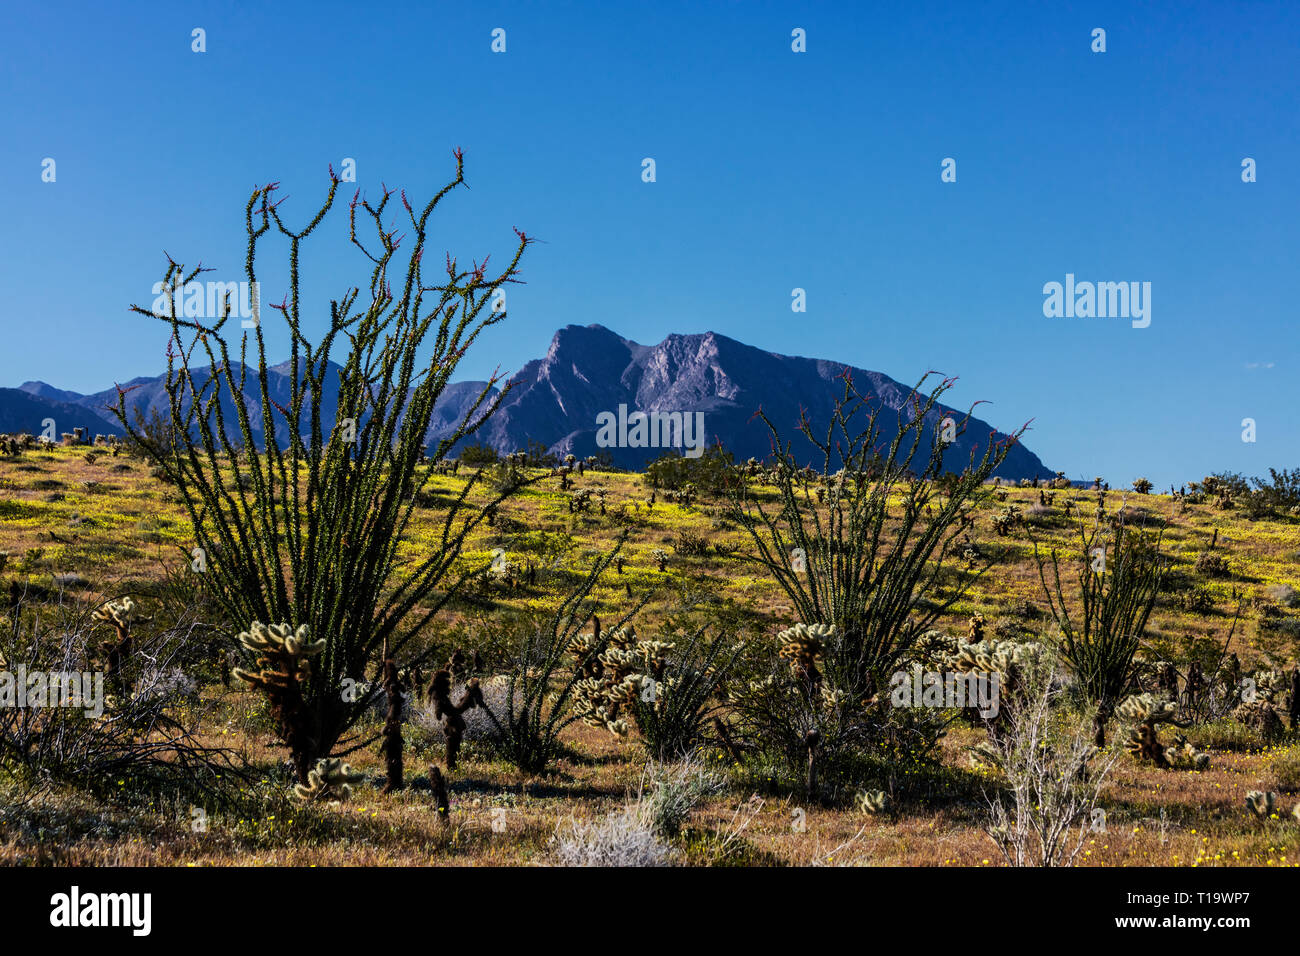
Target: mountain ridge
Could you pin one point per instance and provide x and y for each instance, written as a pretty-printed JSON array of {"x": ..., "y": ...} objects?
[{"x": 589, "y": 371}]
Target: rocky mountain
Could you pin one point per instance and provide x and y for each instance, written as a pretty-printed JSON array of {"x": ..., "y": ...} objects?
[
  {"x": 589, "y": 371},
  {"x": 583, "y": 398},
  {"x": 22, "y": 410}
]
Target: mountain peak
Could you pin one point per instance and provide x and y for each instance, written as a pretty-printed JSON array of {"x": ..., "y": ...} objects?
[{"x": 590, "y": 371}]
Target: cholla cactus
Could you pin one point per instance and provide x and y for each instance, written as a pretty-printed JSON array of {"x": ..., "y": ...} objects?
[
  {"x": 1144, "y": 740},
  {"x": 616, "y": 677},
  {"x": 1183, "y": 756},
  {"x": 681, "y": 496},
  {"x": 1262, "y": 716},
  {"x": 1271, "y": 685},
  {"x": 803, "y": 646},
  {"x": 451, "y": 715},
  {"x": 975, "y": 628},
  {"x": 935, "y": 650},
  {"x": 282, "y": 656},
  {"x": 330, "y": 780},
  {"x": 1006, "y": 520},
  {"x": 661, "y": 558},
  {"x": 280, "y": 670},
  {"x": 1146, "y": 708},
  {"x": 873, "y": 801},
  {"x": 122, "y": 616},
  {"x": 1261, "y": 804},
  {"x": 994, "y": 656}
]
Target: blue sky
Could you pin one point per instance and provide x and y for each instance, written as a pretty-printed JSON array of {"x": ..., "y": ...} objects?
[{"x": 775, "y": 170}]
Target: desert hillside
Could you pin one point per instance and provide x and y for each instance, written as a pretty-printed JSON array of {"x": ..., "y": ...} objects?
[{"x": 82, "y": 526}]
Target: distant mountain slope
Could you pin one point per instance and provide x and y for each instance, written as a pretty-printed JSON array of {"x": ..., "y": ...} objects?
[
  {"x": 22, "y": 411},
  {"x": 587, "y": 372}
]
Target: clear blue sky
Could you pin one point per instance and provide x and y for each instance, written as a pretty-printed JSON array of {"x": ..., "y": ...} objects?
[{"x": 775, "y": 170}]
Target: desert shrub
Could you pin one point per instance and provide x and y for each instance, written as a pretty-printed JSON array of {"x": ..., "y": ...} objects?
[
  {"x": 1212, "y": 565},
  {"x": 670, "y": 791},
  {"x": 141, "y": 725},
  {"x": 1283, "y": 594},
  {"x": 637, "y": 835},
  {"x": 169, "y": 683},
  {"x": 673, "y": 718},
  {"x": 1041, "y": 515},
  {"x": 1198, "y": 600},
  {"x": 1225, "y": 734},
  {"x": 153, "y": 437},
  {"x": 1119, "y": 577},
  {"x": 478, "y": 456},
  {"x": 1288, "y": 627},
  {"x": 1281, "y": 490},
  {"x": 1051, "y": 774},
  {"x": 625, "y": 838},
  {"x": 301, "y": 524},
  {"x": 14, "y": 510},
  {"x": 712, "y": 471},
  {"x": 691, "y": 543}
]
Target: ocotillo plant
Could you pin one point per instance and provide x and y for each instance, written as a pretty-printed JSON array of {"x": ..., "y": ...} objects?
[
  {"x": 685, "y": 692},
  {"x": 538, "y": 692},
  {"x": 866, "y": 557},
  {"x": 301, "y": 521},
  {"x": 1119, "y": 580}
]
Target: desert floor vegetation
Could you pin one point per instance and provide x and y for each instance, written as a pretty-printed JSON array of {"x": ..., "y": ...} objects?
[{"x": 121, "y": 532}]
